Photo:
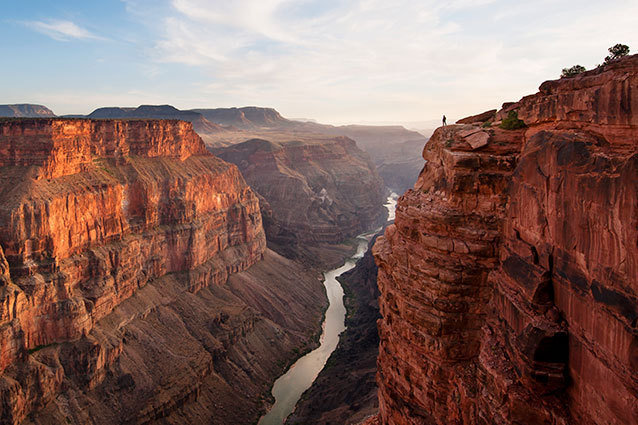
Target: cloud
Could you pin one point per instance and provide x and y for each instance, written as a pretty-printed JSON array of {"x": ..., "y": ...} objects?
[
  {"x": 61, "y": 30},
  {"x": 409, "y": 59}
]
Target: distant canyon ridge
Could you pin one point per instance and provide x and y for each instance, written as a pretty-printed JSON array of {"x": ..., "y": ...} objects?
[{"x": 395, "y": 151}]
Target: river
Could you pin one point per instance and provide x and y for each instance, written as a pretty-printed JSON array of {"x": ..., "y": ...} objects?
[{"x": 289, "y": 387}]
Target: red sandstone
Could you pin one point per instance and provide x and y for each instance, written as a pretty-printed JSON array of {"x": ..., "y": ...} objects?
[
  {"x": 509, "y": 280},
  {"x": 92, "y": 211},
  {"x": 322, "y": 190}
]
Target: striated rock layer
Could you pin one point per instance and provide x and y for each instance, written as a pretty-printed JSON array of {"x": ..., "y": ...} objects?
[
  {"x": 319, "y": 191},
  {"x": 509, "y": 280},
  {"x": 167, "y": 355},
  {"x": 116, "y": 240}
]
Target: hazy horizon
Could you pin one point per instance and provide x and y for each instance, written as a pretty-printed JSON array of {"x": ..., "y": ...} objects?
[{"x": 336, "y": 62}]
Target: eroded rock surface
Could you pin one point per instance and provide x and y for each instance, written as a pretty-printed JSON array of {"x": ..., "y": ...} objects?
[
  {"x": 313, "y": 192},
  {"x": 395, "y": 150},
  {"x": 118, "y": 240},
  {"x": 508, "y": 282}
]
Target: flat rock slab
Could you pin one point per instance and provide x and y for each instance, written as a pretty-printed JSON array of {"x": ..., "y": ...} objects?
[
  {"x": 478, "y": 140},
  {"x": 466, "y": 133},
  {"x": 480, "y": 118}
]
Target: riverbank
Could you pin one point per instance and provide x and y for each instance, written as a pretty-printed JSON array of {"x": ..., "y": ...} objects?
[
  {"x": 288, "y": 388},
  {"x": 345, "y": 392}
]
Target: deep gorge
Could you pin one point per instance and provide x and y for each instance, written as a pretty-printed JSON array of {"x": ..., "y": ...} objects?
[
  {"x": 153, "y": 274},
  {"x": 136, "y": 281}
]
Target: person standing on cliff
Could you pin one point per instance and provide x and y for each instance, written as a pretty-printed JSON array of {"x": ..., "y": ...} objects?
[{"x": 444, "y": 120}]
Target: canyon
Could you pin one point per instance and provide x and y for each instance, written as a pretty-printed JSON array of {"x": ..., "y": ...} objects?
[
  {"x": 314, "y": 193},
  {"x": 159, "y": 265},
  {"x": 135, "y": 280},
  {"x": 345, "y": 391},
  {"x": 508, "y": 280},
  {"x": 395, "y": 150}
]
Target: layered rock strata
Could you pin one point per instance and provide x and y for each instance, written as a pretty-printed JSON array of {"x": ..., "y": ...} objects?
[
  {"x": 395, "y": 150},
  {"x": 117, "y": 240},
  {"x": 508, "y": 282},
  {"x": 313, "y": 192},
  {"x": 167, "y": 355},
  {"x": 248, "y": 117}
]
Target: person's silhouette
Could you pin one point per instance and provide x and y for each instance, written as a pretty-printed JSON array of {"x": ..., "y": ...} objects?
[{"x": 444, "y": 120}]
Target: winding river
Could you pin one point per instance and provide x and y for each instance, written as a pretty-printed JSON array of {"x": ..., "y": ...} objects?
[{"x": 289, "y": 387}]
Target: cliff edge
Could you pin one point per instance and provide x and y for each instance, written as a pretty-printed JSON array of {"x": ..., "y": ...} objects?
[
  {"x": 509, "y": 280},
  {"x": 134, "y": 278}
]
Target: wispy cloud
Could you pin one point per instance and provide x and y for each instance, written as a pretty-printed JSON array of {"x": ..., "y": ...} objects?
[
  {"x": 62, "y": 30},
  {"x": 378, "y": 59}
]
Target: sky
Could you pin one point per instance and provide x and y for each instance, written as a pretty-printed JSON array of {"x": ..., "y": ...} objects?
[{"x": 358, "y": 61}]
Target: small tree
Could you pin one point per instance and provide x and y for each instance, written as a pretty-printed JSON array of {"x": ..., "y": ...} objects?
[
  {"x": 616, "y": 52},
  {"x": 512, "y": 122},
  {"x": 574, "y": 70}
]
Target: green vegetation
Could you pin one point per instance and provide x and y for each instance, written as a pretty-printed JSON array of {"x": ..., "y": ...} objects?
[
  {"x": 487, "y": 124},
  {"x": 574, "y": 70},
  {"x": 103, "y": 164},
  {"x": 512, "y": 122},
  {"x": 616, "y": 52},
  {"x": 40, "y": 347}
]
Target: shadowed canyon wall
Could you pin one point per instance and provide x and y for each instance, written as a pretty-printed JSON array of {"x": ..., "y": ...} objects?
[
  {"x": 509, "y": 279},
  {"x": 313, "y": 192},
  {"x": 135, "y": 280}
]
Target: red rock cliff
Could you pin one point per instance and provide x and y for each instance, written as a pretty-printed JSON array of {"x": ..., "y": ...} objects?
[
  {"x": 91, "y": 212},
  {"x": 509, "y": 280}
]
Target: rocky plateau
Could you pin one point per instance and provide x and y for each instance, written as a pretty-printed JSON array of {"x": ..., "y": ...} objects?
[{"x": 25, "y": 110}]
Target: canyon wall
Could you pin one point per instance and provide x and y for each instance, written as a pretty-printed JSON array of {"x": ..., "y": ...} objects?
[
  {"x": 117, "y": 241},
  {"x": 314, "y": 192},
  {"x": 509, "y": 280},
  {"x": 395, "y": 150}
]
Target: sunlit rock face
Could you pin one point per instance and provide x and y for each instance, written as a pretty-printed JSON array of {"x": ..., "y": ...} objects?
[
  {"x": 509, "y": 280},
  {"x": 95, "y": 216}
]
